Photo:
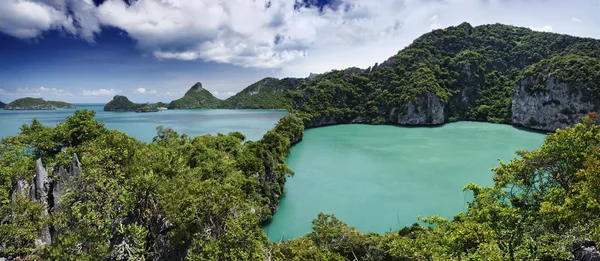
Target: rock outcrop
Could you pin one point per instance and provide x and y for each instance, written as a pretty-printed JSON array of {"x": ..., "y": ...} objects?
[
  {"x": 585, "y": 251},
  {"x": 47, "y": 191},
  {"x": 429, "y": 112},
  {"x": 558, "y": 106},
  {"x": 42, "y": 190}
]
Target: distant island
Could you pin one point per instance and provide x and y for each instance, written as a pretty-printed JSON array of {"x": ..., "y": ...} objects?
[
  {"x": 123, "y": 104},
  {"x": 29, "y": 103},
  {"x": 2, "y": 105},
  {"x": 195, "y": 98}
]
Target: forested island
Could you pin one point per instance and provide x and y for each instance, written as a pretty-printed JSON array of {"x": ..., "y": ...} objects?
[
  {"x": 29, "y": 103},
  {"x": 79, "y": 191},
  {"x": 2, "y": 105},
  {"x": 493, "y": 73},
  {"x": 122, "y": 104}
]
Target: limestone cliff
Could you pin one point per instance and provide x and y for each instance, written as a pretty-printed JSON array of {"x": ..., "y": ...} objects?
[{"x": 555, "y": 107}]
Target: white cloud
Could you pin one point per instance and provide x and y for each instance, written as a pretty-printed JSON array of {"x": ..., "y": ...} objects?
[
  {"x": 223, "y": 94},
  {"x": 29, "y": 18},
  {"x": 100, "y": 92},
  {"x": 576, "y": 20},
  {"x": 544, "y": 28},
  {"x": 247, "y": 33},
  {"x": 145, "y": 91}
]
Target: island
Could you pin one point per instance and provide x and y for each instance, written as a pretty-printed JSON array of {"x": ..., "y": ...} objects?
[
  {"x": 2, "y": 105},
  {"x": 29, "y": 103},
  {"x": 196, "y": 98},
  {"x": 122, "y": 104}
]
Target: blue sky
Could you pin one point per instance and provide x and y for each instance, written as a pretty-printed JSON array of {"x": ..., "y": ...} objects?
[{"x": 154, "y": 50}]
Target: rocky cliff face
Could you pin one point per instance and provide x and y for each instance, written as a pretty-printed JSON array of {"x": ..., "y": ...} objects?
[
  {"x": 558, "y": 106},
  {"x": 430, "y": 112}
]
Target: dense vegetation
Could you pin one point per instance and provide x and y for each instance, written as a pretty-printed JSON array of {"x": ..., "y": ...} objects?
[
  {"x": 29, "y": 103},
  {"x": 579, "y": 72},
  {"x": 204, "y": 198},
  {"x": 268, "y": 93},
  {"x": 471, "y": 71},
  {"x": 195, "y": 98}
]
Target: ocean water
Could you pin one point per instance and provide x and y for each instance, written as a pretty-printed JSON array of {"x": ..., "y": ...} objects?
[
  {"x": 380, "y": 178},
  {"x": 252, "y": 123}
]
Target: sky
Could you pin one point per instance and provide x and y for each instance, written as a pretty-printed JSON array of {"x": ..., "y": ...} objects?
[{"x": 87, "y": 51}]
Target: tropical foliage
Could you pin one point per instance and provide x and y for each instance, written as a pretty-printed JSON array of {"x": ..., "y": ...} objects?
[{"x": 204, "y": 198}]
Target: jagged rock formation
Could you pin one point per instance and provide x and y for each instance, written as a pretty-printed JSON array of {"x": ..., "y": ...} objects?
[
  {"x": 47, "y": 191},
  {"x": 585, "y": 251},
  {"x": 196, "y": 98},
  {"x": 42, "y": 190}
]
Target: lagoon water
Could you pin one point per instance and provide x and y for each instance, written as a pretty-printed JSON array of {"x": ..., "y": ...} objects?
[
  {"x": 377, "y": 178},
  {"x": 252, "y": 123},
  {"x": 380, "y": 178}
]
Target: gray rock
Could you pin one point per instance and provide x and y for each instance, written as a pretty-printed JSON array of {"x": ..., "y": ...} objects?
[
  {"x": 42, "y": 189},
  {"x": 557, "y": 108},
  {"x": 419, "y": 112},
  {"x": 21, "y": 188},
  {"x": 585, "y": 251}
]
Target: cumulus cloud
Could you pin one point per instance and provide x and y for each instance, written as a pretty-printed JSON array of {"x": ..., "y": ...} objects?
[
  {"x": 261, "y": 33},
  {"x": 100, "y": 92},
  {"x": 544, "y": 28},
  {"x": 30, "y": 18}
]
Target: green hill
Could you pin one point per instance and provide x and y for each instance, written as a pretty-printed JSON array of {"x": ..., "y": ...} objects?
[
  {"x": 29, "y": 103},
  {"x": 268, "y": 93},
  {"x": 121, "y": 103},
  {"x": 460, "y": 73},
  {"x": 196, "y": 98},
  {"x": 2, "y": 104}
]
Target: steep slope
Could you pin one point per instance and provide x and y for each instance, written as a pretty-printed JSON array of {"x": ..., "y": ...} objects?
[
  {"x": 29, "y": 103},
  {"x": 268, "y": 93},
  {"x": 196, "y": 98},
  {"x": 457, "y": 73}
]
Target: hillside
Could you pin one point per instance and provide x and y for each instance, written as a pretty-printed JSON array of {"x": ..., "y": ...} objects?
[
  {"x": 2, "y": 105},
  {"x": 196, "y": 98},
  {"x": 268, "y": 93},
  {"x": 458, "y": 73},
  {"x": 29, "y": 103},
  {"x": 122, "y": 103}
]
